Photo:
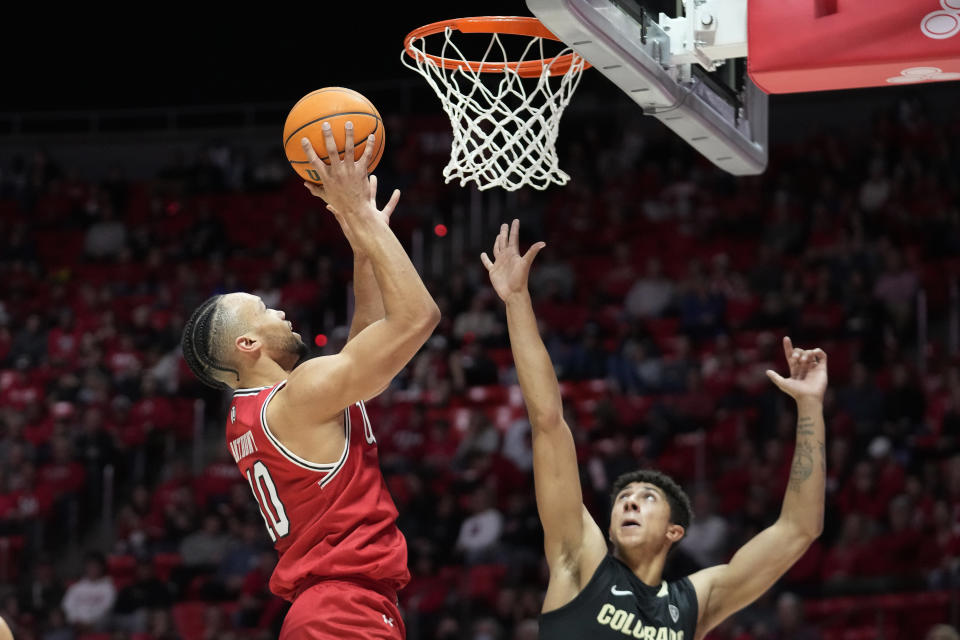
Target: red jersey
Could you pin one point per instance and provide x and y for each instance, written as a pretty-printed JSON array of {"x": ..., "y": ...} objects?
[{"x": 328, "y": 521}]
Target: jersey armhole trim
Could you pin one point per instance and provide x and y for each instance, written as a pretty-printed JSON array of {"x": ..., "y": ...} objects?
[
  {"x": 251, "y": 391},
  {"x": 290, "y": 455},
  {"x": 346, "y": 450}
]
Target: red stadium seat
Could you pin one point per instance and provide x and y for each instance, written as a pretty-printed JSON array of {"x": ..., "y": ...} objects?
[
  {"x": 165, "y": 563},
  {"x": 188, "y": 618},
  {"x": 503, "y": 358},
  {"x": 121, "y": 569},
  {"x": 10, "y": 552},
  {"x": 484, "y": 582},
  {"x": 663, "y": 329}
]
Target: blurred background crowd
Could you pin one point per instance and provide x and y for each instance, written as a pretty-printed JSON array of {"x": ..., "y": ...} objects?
[{"x": 663, "y": 294}]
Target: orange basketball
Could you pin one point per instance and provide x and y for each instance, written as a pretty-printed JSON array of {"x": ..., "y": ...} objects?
[{"x": 337, "y": 106}]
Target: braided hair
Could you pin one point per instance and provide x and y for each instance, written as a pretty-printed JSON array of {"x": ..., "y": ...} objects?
[{"x": 202, "y": 345}]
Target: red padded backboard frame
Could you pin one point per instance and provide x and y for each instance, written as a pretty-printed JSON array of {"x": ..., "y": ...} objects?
[{"x": 820, "y": 45}]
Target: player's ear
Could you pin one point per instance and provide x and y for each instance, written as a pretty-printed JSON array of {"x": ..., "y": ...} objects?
[
  {"x": 247, "y": 343},
  {"x": 675, "y": 533}
]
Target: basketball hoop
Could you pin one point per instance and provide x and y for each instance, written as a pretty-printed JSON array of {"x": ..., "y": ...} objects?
[{"x": 504, "y": 132}]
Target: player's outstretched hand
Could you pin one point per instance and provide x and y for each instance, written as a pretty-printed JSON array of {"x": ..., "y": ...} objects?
[
  {"x": 345, "y": 187},
  {"x": 509, "y": 270},
  {"x": 808, "y": 373}
]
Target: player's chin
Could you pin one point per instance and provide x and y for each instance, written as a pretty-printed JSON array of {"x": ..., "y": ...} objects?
[{"x": 630, "y": 533}]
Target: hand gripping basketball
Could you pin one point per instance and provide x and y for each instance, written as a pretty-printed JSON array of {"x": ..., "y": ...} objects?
[{"x": 345, "y": 187}]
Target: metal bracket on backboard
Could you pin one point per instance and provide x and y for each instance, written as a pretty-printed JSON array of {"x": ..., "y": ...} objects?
[{"x": 638, "y": 58}]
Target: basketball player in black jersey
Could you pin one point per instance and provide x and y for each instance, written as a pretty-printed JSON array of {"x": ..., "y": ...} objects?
[{"x": 598, "y": 593}]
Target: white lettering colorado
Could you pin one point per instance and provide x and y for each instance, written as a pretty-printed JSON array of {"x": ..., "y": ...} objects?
[
  {"x": 243, "y": 446},
  {"x": 628, "y": 624}
]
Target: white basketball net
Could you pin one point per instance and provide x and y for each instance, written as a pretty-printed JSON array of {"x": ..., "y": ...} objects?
[{"x": 504, "y": 133}]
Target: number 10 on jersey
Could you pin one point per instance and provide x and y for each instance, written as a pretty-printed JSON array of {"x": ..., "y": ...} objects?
[{"x": 271, "y": 508}]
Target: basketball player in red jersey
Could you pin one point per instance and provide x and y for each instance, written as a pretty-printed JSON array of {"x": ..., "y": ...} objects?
[{"x": 301, "y": 436}]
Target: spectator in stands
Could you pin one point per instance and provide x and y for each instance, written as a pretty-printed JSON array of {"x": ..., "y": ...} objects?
[
  {"x": 942, "y": 632},
  {"x": 676, "y": 368},
  {"x": 56, "y": 627},
  {"x": 480, "y": 438},
  {"x": 29, "y": 347},
  {"x": 861, "y": 399},
  {"x": 784, "y": 232},
  {"x": 706, "y": 536},
  {"x": 526, "y": 630},
  {"x": 145, "y": 594},
  {"x": 897, "y": 550},
  {"x": 651, "y": 295},
  {"x": 701, "y": 309},
  {"x": 478, "y": 323},
  {"x": 849, "y": 556},
  {"x": 241, "y": 557},
  {"x": 553, "y": 277},
  {"x": 638, "y": 368},
  {"x": 267, "y": 289},
  {"x": 204, "y": 549},
  {"x": 897, "y": 288},
  {"x": 42, "y": 592},
  {"x": 89, "y": 600},
  {"x": 587, "y": 359},
  {"x": 622, "y": 274},
  {"x": 107, "y": 237},
  {"x": 486, "y": 629},
  {"x": 470, "y": 366},
  {"x": 161, "y": 626},
  {"x": 480, "y": 532},
  {"x": 876, "y": 188},
  {"x": 790, "y": 624},
  {"x": 904, "y": 401},
  {"x": 517, "y": 444}
]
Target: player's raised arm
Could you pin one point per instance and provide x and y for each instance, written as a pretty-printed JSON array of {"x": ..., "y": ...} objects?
[
  {"x": 369, "y": 361},
  {"x": 725, "y": 589},
  {"x": 367, "y": 301},
  {"x": 573, "y": 543}
]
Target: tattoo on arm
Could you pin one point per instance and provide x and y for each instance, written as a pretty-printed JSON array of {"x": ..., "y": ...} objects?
[{"x": 802, "y": 464}]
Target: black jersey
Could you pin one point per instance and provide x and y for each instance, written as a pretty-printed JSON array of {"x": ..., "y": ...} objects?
[{"x": 616, "y": 604}]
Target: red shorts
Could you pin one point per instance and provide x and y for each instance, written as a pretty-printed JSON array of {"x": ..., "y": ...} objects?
[{"x": 342, "y": 610}]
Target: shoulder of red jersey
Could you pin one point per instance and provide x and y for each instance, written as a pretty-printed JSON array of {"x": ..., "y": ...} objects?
[{"x": 249, "y": 411}]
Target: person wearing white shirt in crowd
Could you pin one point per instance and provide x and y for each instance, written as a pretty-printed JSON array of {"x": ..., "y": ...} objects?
[
  {"x": 90, "y": 599},
  {"x": 650, "y": 295},
  {"x": 480, "y": 533},
  {"x": 706, "y": 535}
]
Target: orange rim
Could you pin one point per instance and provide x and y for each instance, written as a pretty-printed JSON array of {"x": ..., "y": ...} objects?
[{"x": 510, "y": 25}]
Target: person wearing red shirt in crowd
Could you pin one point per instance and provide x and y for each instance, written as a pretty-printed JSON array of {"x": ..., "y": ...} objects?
[
  {"x": 860, "y": 494},
  {"x": 848, "y": 558},
  {"x": 300, "y": 434}
]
